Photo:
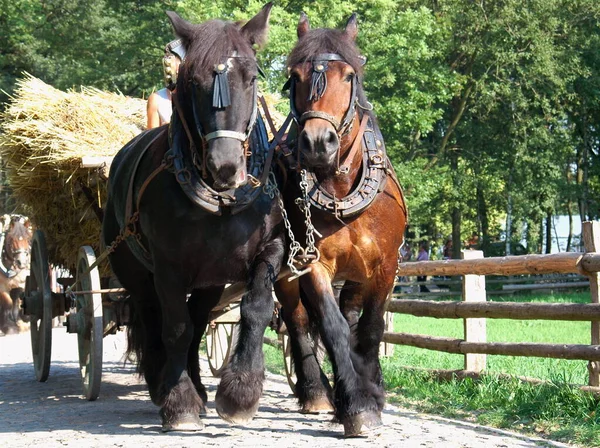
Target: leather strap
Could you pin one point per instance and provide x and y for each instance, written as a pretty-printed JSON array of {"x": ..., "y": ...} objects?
[{"x": 356, "y": 145}]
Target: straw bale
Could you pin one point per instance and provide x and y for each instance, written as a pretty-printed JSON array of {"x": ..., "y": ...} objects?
[{"x": 44, "y": 133}]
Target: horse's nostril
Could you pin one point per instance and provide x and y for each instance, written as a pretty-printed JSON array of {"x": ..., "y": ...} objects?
[{"x": 306, "y": 140}]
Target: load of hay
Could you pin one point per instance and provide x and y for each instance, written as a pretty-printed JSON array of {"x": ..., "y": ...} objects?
[{"x": 44, "y": 133}]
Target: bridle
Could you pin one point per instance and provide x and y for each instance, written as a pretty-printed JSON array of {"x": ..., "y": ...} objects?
[
  {"x": 10, "y": 255},
  {"x": 222, "y": 100},
  {"x": 318, "y": 86}
]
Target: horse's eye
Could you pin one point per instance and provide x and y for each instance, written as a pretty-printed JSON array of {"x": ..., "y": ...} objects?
[
  {"x": 295, "y": 77},
  {"x": 349, "y": 77}
]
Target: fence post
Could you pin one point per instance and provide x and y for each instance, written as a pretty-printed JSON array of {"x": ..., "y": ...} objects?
[
  {"x": 475, "y": 329},
  {"x": 591, "y": 240}
]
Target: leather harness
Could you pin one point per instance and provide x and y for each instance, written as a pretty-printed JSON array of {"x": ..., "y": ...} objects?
[
  {"x": 190, "y": 173},
  {"x": 376, "y": 165}
]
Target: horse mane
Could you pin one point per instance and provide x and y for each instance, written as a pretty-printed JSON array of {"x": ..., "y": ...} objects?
[
  {"x": 326, "y": 40},
  {"x": 212, "y": 42}
]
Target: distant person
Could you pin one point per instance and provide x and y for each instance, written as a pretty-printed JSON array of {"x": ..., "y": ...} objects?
[
  {"x": 423, "y": 255},
  {"x": 447, "y": 250},
  {"x": 473, "y": 241},
  {"x": 159, "y": 107},
  {"x": 405, "y": 251}
]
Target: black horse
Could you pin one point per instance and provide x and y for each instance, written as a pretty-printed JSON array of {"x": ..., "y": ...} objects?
[{"x": 191, "y": 201}]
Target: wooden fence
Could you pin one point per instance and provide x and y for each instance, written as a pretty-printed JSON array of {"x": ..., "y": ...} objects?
[{"x": 474, "y": 309}]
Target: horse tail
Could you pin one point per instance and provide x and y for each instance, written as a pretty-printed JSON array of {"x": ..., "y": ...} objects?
[{"x": 144, "y": 334}]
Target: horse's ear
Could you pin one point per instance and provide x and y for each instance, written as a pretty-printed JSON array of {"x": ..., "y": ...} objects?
[
  {"x": 257, "y": 28},
  {"x": 182, "y": 28},
  {"x": 303, "y": 25},
  {"x": 352, "y": 27}
]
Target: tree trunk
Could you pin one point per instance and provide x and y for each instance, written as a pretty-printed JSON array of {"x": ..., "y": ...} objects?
[
  {"x": 549, "y": 232},
  {"x": 508, "y": 214},
  {"x": 482, "y": 213},
  {"x": 570, "y": 237},
  {"x": 582, "y": 168},
  {"x": 456, "y": 213}
]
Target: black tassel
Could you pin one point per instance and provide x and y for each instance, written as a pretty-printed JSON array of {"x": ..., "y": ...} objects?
[
  {"x": 318, "y": 81},
  {"x": 221, "y": 97}
]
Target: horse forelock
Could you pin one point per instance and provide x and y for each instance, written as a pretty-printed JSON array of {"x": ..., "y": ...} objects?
[
  {"x": 213, "y": 42},
  {"x": 325, "y": 40},
  {"x": 18, "y": 236}
]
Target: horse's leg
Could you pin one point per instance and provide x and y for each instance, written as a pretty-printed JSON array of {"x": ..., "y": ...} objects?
[
  {"x": 5, "y": 310},
  {"x": 17, "y": 312},
  {"x": 200, "y": 303},
  {"x": 144, "y": 342},
  {"x": 366, "y": 331},
  {"x": 354, "y": 398},
  {"x": 180, "y": 403},
  {"x": 242, "y": 379},
  {"x": 8, "y": 324},
  {"x": 312, "y": 386}
]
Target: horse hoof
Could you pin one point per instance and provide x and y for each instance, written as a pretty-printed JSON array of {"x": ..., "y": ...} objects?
[
  {"x": 356, "y": 425},
  {"x": 186, "y": 423},
  {"x": 320, "y": 405},
  {"x": 236, "y": 417}
]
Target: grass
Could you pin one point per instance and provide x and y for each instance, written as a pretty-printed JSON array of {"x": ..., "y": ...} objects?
[{"x": 556, "y": 409}]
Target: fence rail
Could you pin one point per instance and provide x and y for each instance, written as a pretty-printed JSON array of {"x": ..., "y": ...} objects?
[{"x": 474, "y": 308}]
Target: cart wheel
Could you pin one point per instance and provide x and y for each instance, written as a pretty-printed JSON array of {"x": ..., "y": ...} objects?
[
  {"x": 38, "y": 299},
  {"x": 288, "y": 360},
  {"x": 91, "y": 328},
  {"x": 220, "y": 343}
]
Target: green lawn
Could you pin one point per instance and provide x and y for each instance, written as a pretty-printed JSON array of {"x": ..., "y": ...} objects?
[{"x": 557, "y": 410}]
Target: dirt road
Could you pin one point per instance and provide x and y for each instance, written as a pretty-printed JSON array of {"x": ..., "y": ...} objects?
[{"x": 53, "y": 414}]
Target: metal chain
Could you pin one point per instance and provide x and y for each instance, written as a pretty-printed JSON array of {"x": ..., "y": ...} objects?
[
  {"x": 271, "y": 190},
  {"x": 304, "y": 205},
  {"x": 297, "y": 254}
]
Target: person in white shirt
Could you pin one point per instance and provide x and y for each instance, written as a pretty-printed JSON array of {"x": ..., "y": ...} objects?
[{"x": 159, "y": 107}]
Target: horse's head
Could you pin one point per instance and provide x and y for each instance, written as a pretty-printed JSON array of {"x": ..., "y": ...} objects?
[
  {"x": 17, "y": 244},
  {"x": 217, "y": 90},
  {"x": 325, "y": 68}
]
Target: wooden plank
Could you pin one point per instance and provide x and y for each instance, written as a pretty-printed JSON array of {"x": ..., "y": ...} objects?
[
  {"x": 458, "y": 346},
  {"x": 591, "y": 240},
  {"x": 562, "y": 263},
  {"x": 474, "y": 328},
  {"x": 546, "y": 286},
  {"x": 497, "y": 310}
]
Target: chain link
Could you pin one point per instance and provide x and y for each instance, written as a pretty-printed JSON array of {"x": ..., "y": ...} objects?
[
  {"x": 304, "y": 206},
  {"x": 297, "y": 254}
]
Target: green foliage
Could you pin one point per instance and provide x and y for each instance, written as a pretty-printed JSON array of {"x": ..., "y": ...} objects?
[{"x": 483, "y": 105}]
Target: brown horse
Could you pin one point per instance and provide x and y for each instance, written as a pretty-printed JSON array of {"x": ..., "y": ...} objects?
[
  {"x": 343, "y": 196},
  {"x": 13, "y": 271}
]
